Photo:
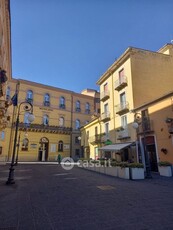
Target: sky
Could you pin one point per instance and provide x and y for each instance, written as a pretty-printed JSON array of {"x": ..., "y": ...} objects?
[{"x": 69, "y": 44}]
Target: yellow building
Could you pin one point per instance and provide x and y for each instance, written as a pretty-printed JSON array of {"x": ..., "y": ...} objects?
[
  {"x": 157, "y": 116},
  {"x": 5, "y": 65},
  {"x": 136, "y": 77},
  {"x": 59, "y": 114}
]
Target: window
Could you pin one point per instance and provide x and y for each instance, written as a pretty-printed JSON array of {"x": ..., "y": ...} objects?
[
  {"x": 29, "y": 96},
  {"x": 25, "y": 144},
  {"x": 124, "y": 121},
  {"x": 107, "y": 130},
  {"x": 2, "y": 135},
  {"x": 106, "y": 110},
  {"x": 62, "y": 103},
  {"x": 87, "y": 108},
  {"x": 60, "y": 146},
  {"x": 78, "y": 106},
  {"x": 45, "y": 120},
  {"x": 105, "y": 87},
  {"x": 145, "y": 120},
  {"x": 77, "y": 141},
  {"x": 96, "y": 130},
  {"x": 61, "y": 121},
  {"x": 8, "y": 93},
  {"x": 46, "y": 100},
  {"x": 121, "y": 75},
  {"x": 77, "y": 124},
  {"x": 123, "y": 100},
  {"x": 26, "y": 121}
]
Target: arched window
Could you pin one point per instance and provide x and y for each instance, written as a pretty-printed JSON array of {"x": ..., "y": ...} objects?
[
  {"x": 45, "y": 120},
  {"x": 25, "y": 143},
  {"x": 8, "y": 93},
  {"x": 77, "y": 124},
  {"x": 60, "y": 146},
  {"x": 26, "y": 121},
  {"x": 61, "y": 121},
  {"x": 87, "y": 108},
  {"x": 29, "y": 96},
  {"x": 78, "y": 109},
  {"x": 46, "y": 100},
  {"x": 62, "y": 103}
]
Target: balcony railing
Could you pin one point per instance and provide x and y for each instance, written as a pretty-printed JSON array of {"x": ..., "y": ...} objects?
[
  {"x": 123, "y": 134},
  {"x": 45, "y": 128},
  {"x": 62, "y": 106},
  {"x": 99, "y": 138},
  {"x": 122, "y": 108},
  {"x": 78, "y": 110},
  {"x": 105, "y": 95},
  {"x": 146, "y": 126},
  {"x": 105, "y": 116},
  {"x": 121, "y": 83},
  {"x": 46, "y": 103}
]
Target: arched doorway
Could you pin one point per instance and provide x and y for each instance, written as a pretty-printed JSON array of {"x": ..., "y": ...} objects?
[{"x": 43, "y": 149}]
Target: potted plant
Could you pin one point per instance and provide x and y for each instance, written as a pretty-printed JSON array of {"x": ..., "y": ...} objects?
[
  {"x": 136, "y": 171},
  {"x": 123, "y": 170},
  {"x": 165, "y": 168}
]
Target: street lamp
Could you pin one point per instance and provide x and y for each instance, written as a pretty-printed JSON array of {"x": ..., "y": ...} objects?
[
  {"x": 142, "y": 120},
  {"x": 27, "y": 107}
]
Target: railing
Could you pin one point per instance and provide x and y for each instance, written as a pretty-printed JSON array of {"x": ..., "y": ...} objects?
[
  {"x": 146, "y": 126},
  {"x": 104, "y": 95},
  {"x": 123, "y": 134},
  {"x": 122, "y": 108},
  {"x": 99, "y": 138},
  {"x": 62, "y": 106},
  {"x": 105, "y": 116},
  {"x": 45, "y": 128},
  {"x": 46, "y": 103},
  {"x": 121, "y": 83}
]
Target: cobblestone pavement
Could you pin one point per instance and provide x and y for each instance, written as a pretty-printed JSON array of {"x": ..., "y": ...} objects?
[{"x": 48, "y": 197}]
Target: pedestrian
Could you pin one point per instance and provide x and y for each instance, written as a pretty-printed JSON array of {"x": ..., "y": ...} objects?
[{"x": 59, "y": 158}]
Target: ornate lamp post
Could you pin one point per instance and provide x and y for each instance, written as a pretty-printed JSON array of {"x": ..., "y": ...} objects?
[
  {"x": 26, "y": 107},
  {"x": 142, "y": 120}
]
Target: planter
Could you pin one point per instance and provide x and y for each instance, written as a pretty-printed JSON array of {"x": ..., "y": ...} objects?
[
  {"x": 165, "y": 171},
  {"x": 137, "y": 173},
  {"x": 112, "y": 171},
  {"x": 123, "y": 173},
  {"x": 102, "y": 169}
]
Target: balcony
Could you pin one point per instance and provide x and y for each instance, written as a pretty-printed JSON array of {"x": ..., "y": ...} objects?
[
  {"x": 121, "y": 83},
  {"x": 87, "y": 111},
  {"x": 105, "y": 116},
  {"x": 62, "y": 106},
  {"x": 96, "y": 139},
  {"x": 46, "y": 103},
  {"x": 122, "y": 108},
  {"x": 123, "y": 133},
  {"x": 40, "y": 128},
  {"x": 146, "y": 126},
  {"x": 105, "y": 95},
  {"x": 78, "y": 110},
  {"x": 30, "y": 100}
]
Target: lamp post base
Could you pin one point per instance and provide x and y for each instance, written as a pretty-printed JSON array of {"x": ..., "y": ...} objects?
[{"x": 11, "y": 177}]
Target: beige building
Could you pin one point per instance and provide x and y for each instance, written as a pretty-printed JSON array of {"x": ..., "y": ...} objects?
[
  {"x": 59, "y": 114},
  {"x": 136, "y": 77}
]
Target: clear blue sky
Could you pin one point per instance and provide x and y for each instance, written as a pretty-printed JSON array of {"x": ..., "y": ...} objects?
[{"x": 71, "y": 43}]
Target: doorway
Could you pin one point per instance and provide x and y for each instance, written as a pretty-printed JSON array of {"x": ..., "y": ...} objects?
[{"x": 43, "y": 149}]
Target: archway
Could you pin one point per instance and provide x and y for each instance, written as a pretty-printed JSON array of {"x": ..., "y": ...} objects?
[{"x": 43, "y": 149}]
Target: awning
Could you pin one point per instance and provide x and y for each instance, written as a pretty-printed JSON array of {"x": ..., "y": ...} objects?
[{"x": 116, "y": 147}]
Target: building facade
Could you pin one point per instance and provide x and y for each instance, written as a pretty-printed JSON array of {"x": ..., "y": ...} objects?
[
  {"x": 136, "y": 77},
  {"x": 59, "y": 114}
]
